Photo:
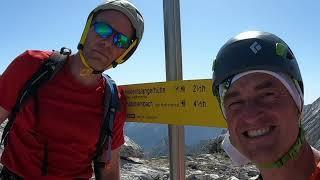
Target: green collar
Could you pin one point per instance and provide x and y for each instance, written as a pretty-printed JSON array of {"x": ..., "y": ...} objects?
[{"x": 291, "y": 154}]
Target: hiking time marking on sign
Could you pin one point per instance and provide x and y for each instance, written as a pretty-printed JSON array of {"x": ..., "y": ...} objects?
[{"x": 188, "y": 102}]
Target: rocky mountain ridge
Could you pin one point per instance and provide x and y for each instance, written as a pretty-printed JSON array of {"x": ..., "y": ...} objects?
[
  {"x": 311, "y": 123},
  {"x": 211, "y": 163}
]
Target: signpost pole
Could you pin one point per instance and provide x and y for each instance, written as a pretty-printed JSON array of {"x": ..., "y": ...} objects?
[{"x": 172, "y": 35}]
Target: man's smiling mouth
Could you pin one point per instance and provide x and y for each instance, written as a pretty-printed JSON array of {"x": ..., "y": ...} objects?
[{"x": 258, "y": 132}]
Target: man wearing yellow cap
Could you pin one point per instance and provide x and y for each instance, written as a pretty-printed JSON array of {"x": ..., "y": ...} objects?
[{"x": 56, "y": 132}]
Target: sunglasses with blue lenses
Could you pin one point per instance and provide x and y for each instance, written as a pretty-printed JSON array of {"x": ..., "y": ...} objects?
[{"x": 105, "y": 31}]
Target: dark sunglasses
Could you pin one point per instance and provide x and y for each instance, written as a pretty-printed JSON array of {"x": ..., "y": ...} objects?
[{"x": 105, "y": 31}]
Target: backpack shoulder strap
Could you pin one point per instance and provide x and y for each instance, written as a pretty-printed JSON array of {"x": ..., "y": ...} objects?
[
  {"x": 112, "y": 105},
  {"x": 46, "y": 72}
]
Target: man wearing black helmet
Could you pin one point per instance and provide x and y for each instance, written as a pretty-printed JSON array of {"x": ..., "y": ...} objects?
[
  {"x": 56, "y": 133},
  {"x": 257, "y": 81}
]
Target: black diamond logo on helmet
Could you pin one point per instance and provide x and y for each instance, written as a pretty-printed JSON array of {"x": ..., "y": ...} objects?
[{"x": 255, "y": 47}]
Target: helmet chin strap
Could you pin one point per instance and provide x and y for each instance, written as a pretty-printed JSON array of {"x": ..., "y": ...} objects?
[
  {"x": 292, "y": 154},
  {"x": 87, "y": 69}
]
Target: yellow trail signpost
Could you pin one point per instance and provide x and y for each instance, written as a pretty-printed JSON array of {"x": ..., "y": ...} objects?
[{"x": 188, "y": 102}]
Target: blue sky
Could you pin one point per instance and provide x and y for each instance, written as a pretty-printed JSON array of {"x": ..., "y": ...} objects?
[{"x": 205, "y": 26}]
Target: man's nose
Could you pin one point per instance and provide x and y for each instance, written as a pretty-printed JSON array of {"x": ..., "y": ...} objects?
[
  {"x": 252, "y": 112},
  {"x": 108, "y": 42}
]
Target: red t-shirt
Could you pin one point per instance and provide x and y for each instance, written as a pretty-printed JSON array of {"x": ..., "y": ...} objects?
[
  {"x": 316, "y": 174},
  {"x": 69, "y": 120}
]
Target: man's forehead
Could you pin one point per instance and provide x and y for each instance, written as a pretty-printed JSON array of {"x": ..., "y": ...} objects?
[{"x": 254, "y": 81}]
